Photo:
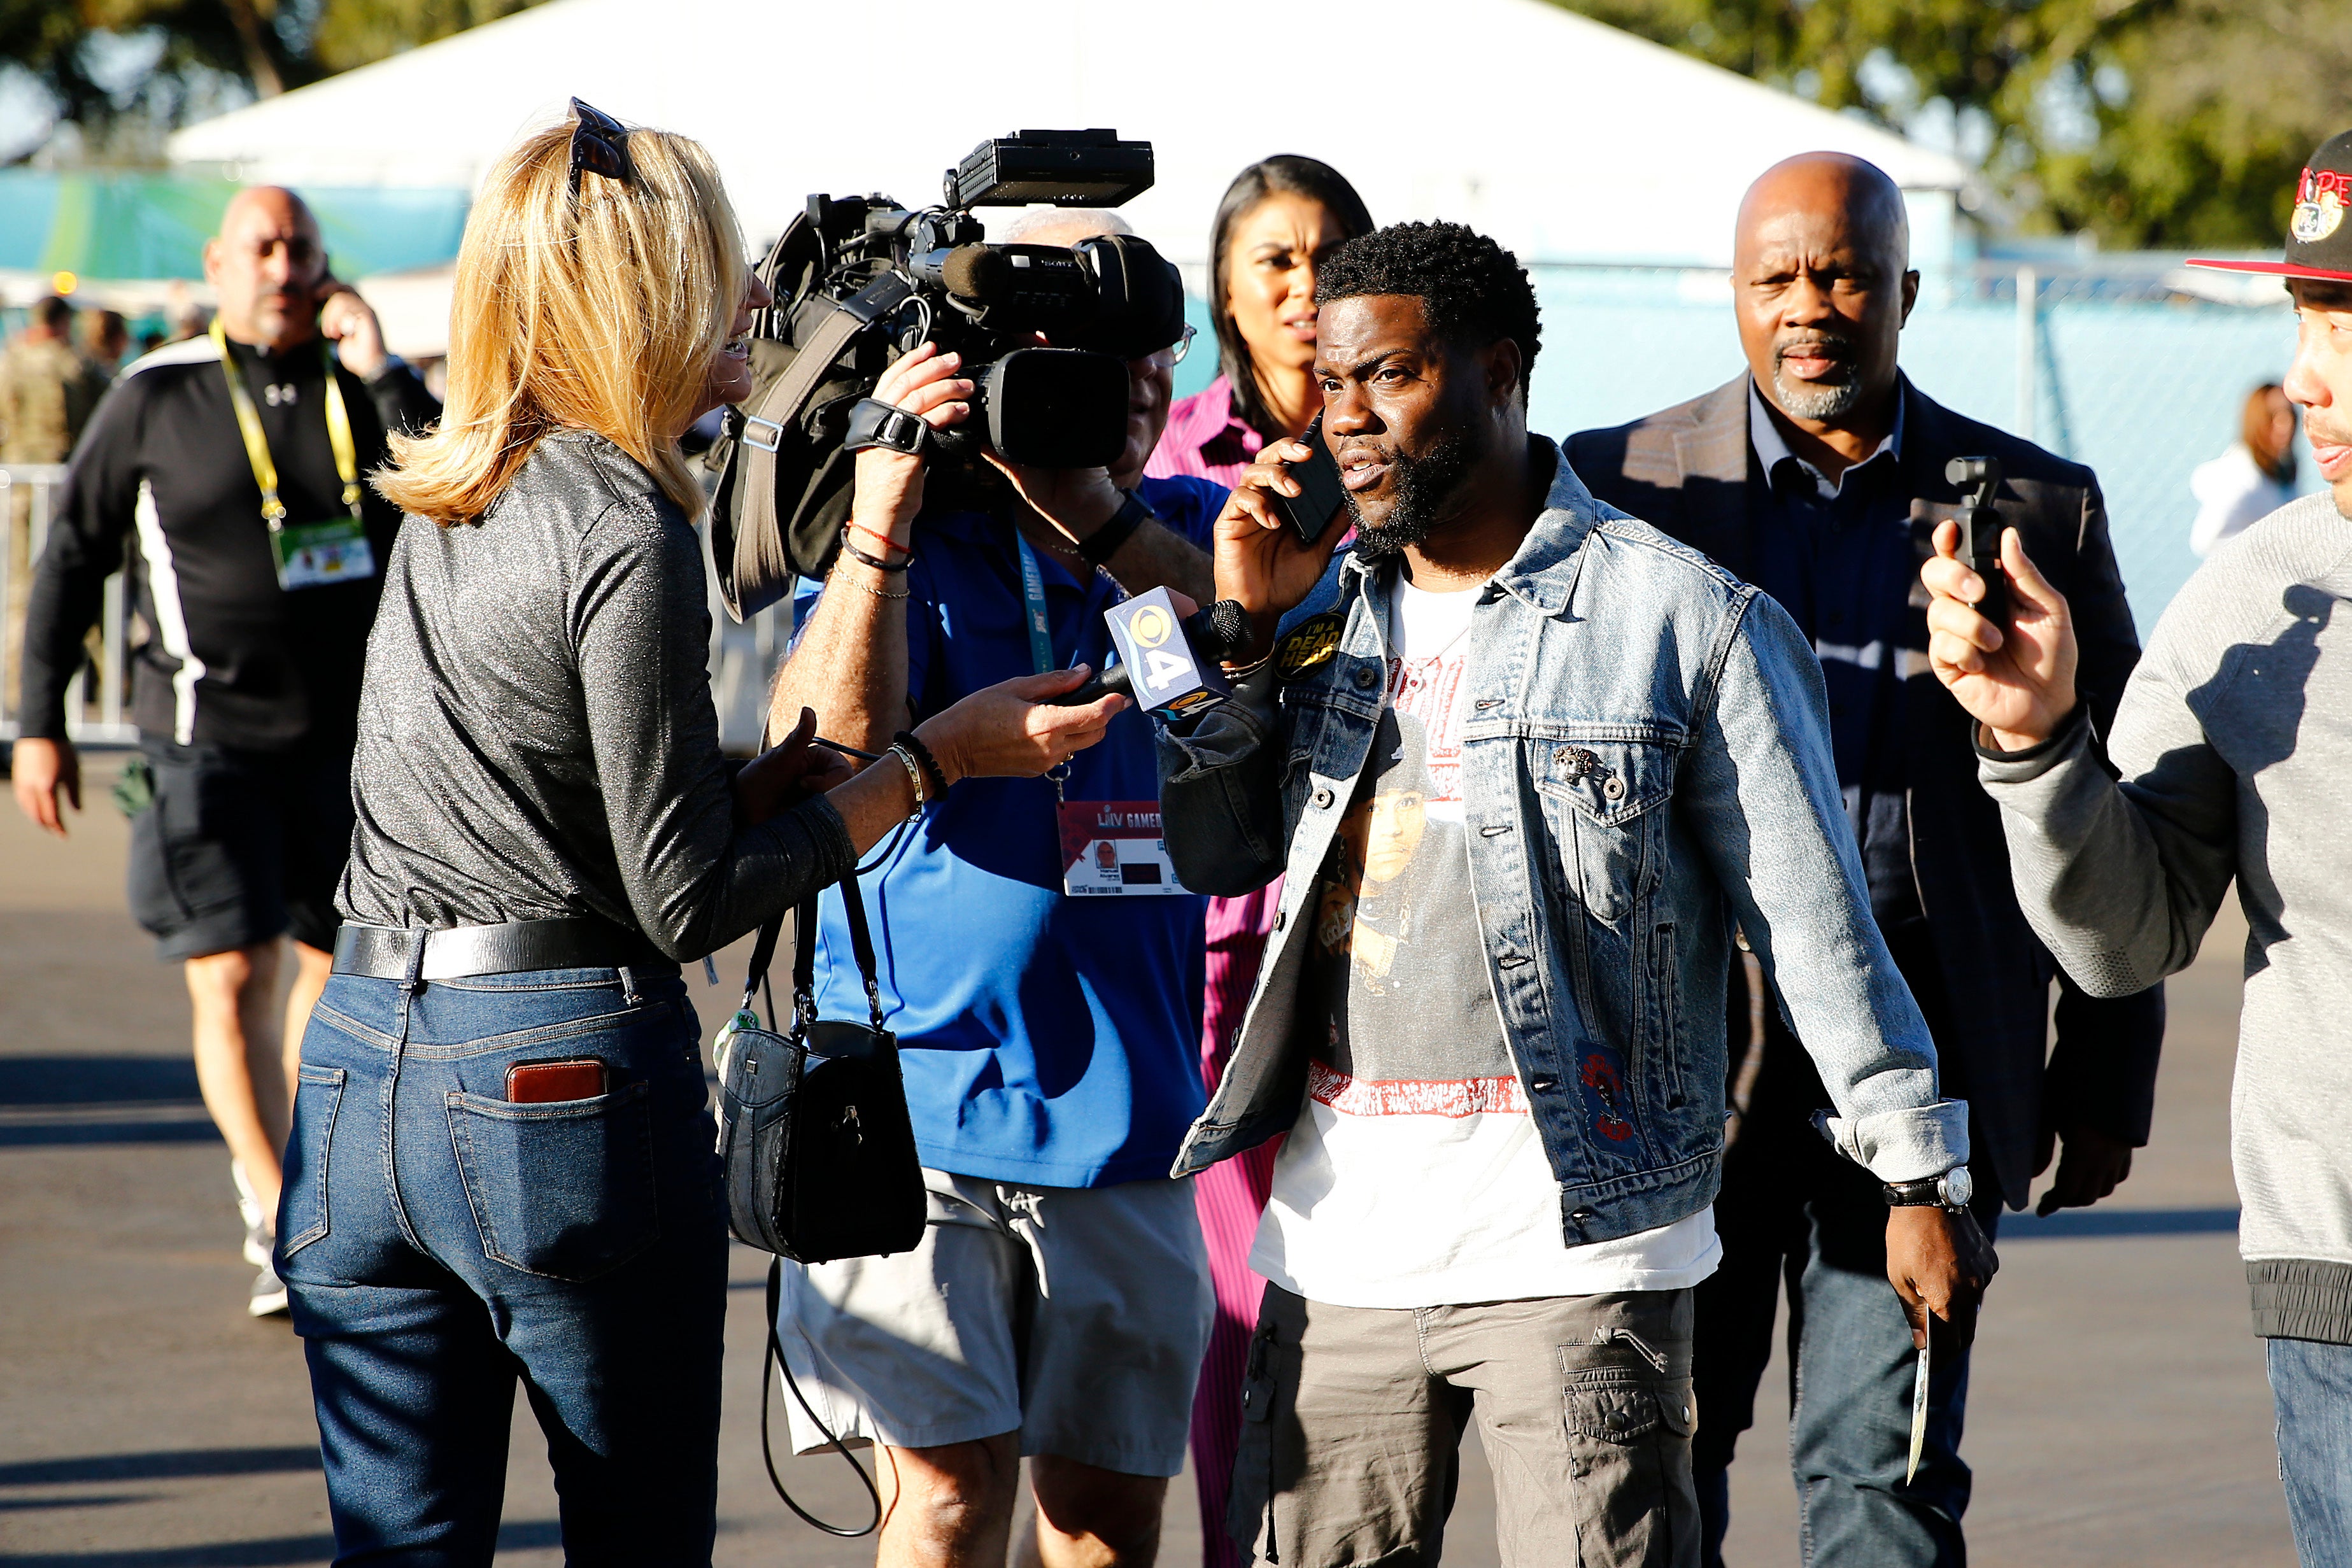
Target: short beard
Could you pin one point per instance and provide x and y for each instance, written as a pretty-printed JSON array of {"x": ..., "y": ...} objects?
[
  {"x": 1815, "y": 400},
  {"x": 1424, "y": 485}
]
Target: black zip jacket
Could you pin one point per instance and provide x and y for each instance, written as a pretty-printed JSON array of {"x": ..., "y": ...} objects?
[{"x": 160, "y": 474}]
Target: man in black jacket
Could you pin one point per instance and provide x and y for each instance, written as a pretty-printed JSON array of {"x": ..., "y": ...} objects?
[
  {"x": 1819, "y": 474},
  {"x": 230, "y": 469}
]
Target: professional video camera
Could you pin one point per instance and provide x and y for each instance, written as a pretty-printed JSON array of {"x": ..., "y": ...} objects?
[{"x": 860, "y": 281}]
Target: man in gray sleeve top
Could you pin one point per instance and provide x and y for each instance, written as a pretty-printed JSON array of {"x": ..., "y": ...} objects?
[{"x": 2229, "y": 759}]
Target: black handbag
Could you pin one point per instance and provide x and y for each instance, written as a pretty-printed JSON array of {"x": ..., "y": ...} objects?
[{"x": 817, "y": 1144}]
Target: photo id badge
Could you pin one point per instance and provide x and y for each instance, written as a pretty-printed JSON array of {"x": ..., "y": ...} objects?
[
  {"x": 1113, "y": 848},
  {"x": 315, "y": 555}
]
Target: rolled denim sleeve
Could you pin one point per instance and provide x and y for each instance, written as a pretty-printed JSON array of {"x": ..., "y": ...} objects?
[
  {"x": 1761, "y": 791},
  {"x": 1220, "y": 792}
]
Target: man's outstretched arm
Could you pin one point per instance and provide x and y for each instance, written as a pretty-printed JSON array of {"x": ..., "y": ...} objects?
[{"x": 2120, "y": 879}]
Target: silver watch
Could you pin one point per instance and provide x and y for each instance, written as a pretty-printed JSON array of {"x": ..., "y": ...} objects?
[{"x": 1951, "y": 1190}]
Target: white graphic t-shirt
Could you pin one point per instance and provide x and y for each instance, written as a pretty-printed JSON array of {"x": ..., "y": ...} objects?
[{"x": 1415, "y": 1177}]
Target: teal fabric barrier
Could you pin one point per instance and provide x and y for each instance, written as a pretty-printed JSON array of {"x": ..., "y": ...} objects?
[
  {"x": 2142, "y": 392},
  {"x": 151, "y": 226}
]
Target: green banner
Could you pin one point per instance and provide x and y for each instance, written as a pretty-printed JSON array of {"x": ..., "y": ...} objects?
[{"x": 154, "y": 225}]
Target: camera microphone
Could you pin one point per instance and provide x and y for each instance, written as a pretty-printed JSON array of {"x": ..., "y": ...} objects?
[
  {"x": 1167, "y": 664},
  {"x": 980, "y": 273}
]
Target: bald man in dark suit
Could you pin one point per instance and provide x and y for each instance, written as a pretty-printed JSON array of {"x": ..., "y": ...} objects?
[{"x": 1818, "y": 474}]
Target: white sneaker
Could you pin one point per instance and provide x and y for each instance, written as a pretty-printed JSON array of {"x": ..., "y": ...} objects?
[
  {"x": 259, "y": 1239},
  {"x": 268, "y": 1299}
]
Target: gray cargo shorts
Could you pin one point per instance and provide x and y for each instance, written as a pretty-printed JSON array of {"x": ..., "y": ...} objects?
[
  {"x": 1077, "y": 1316},
  {"x": 1352, "y": 1418}
]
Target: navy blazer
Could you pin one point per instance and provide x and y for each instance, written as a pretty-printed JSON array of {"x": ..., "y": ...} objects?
[{"x": 1686, "y": 471}]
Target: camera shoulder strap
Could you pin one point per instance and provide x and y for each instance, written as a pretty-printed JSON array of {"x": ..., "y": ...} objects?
[{"x": 759, "y": 439}]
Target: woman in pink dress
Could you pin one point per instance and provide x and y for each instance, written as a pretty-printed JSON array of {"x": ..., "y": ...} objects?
[{"x": 1279, "y": 220}]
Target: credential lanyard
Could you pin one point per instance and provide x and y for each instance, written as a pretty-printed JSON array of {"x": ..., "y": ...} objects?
[
  {"x": 1032, "y": 596},
  {"x": 1041, "y": 640},
  {"x": 257, "y": 446}
]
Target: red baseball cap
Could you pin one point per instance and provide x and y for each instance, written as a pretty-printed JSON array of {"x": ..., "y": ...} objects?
[{"x": 2318, "y": 240}]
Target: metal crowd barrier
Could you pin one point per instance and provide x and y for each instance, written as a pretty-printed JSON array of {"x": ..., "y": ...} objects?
[
  {"x": 744, "y": 660},
  {"x": 91, "y": 718}
]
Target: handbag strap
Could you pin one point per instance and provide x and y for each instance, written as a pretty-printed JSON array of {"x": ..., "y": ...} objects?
[
  {"x": 804, "y": 928},
  {"x": 774, "y": 1356},
  {"x": 764, "y": 952},
  {"x": 804, "y": 934},
  {"x": 861, "y": 943}
]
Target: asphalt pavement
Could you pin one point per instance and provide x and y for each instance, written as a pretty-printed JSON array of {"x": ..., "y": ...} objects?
[{"x": 2118, "y": 1414}]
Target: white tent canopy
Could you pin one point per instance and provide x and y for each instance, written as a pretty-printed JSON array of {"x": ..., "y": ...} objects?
[{"x": 1563, "y": 138}]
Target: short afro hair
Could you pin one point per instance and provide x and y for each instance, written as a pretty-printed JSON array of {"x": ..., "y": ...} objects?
[{"x": 1472, "y": 290}]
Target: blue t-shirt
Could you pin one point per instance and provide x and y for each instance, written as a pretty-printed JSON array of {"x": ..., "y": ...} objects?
[{"x": 1045, "y": 1038}]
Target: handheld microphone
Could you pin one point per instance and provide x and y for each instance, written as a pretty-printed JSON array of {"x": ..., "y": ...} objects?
[
  {"x": 1166, "y": 663},
  {"x": 1980, "y": 533}
]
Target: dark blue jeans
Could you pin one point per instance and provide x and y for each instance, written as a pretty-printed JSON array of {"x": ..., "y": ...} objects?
[
  {"x": 2311, "y": 1386},
  {"x": 1794, "y": 1213},
  {"x": 439, "y": 1243}
]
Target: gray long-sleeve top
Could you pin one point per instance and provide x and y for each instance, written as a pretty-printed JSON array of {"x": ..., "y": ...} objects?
[
  {"x": 2235, "y": 743},
  {"x": 536, "y": 733}
]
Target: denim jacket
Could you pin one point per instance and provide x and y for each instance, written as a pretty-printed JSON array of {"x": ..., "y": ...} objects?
[{"x": 1645, "y": 764}]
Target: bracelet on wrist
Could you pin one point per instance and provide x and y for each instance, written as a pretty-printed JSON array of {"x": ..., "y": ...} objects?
[
  {"x": 922, "y": 754},
  {"x": 860, "y": 557},
  {"x": 881, "y": 592},
  {"x": 885, "y": 540},
  {"x": 1243, "y": 672},
  {"x": 914, "y": 778}
]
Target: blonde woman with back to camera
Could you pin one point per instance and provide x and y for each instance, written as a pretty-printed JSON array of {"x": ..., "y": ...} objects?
[{"x": 502, "y": 1160}]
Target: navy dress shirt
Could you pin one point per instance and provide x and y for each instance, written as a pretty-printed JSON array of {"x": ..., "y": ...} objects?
[{"x": 1839, "y": 557}]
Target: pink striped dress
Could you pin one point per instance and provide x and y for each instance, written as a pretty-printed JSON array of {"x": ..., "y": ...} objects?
[{"x": 1204, "y": 438}]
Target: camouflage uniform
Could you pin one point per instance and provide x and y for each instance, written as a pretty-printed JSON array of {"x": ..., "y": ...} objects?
[{"x": 47, "y": 393}]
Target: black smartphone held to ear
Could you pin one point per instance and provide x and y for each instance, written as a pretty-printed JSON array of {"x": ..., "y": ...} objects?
[
  {"x": 1320, "y": 493},
  {"x": 1980, "y": 532}
]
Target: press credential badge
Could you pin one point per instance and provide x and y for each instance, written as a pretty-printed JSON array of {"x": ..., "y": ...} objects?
[
  {"x": 316, "y": 554},
  {"x": 1113, "y": 848}
]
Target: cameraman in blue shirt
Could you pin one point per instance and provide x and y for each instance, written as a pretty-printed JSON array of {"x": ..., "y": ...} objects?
[{"x": 1042, "y": 968}]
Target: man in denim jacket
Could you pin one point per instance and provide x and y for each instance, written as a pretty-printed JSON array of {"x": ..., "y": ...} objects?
[{"x": 1526, "y": 762}]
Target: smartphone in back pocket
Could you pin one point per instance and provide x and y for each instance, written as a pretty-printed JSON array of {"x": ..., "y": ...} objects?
[
  {"x": 1320, "y": 493},
  {"x": 543, "y": 1083}
]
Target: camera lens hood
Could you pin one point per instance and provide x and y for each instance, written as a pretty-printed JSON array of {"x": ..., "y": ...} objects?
[{"x": 1053, "y": 408}]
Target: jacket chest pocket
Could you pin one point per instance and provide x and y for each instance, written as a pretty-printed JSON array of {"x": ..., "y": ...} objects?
[{"x": 1602, "y": 797}]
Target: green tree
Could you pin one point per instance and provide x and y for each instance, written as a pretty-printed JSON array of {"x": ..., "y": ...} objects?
[
  {"x": 126, "y": 71},
  {"x": 2147, "y": 122}
]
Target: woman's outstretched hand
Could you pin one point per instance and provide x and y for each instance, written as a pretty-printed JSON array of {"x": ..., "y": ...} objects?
[
  {"x": 1008, "y": 730},
  {"x": 788, "y": 773}
]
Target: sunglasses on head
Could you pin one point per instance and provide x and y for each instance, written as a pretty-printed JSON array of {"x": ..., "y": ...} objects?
[{"x": 599, "y": 145}]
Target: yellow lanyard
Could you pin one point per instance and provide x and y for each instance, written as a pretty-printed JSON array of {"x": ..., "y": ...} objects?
[{"x": 257, "y": 446}]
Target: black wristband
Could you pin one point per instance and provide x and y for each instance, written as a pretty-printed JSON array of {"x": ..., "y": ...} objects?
[
  {"x": 929, "y": 764},
  {"x": 1103, "y": 543},
  {"x": 876, "y": 424},
  {"x": 860, "y": 556}
]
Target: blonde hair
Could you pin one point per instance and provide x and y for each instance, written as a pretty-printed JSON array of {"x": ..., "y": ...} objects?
[{"x": 601, "y": 312}]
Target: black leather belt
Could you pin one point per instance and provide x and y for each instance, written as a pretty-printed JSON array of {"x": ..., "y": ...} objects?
[{"x": 385, "y": 954}]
